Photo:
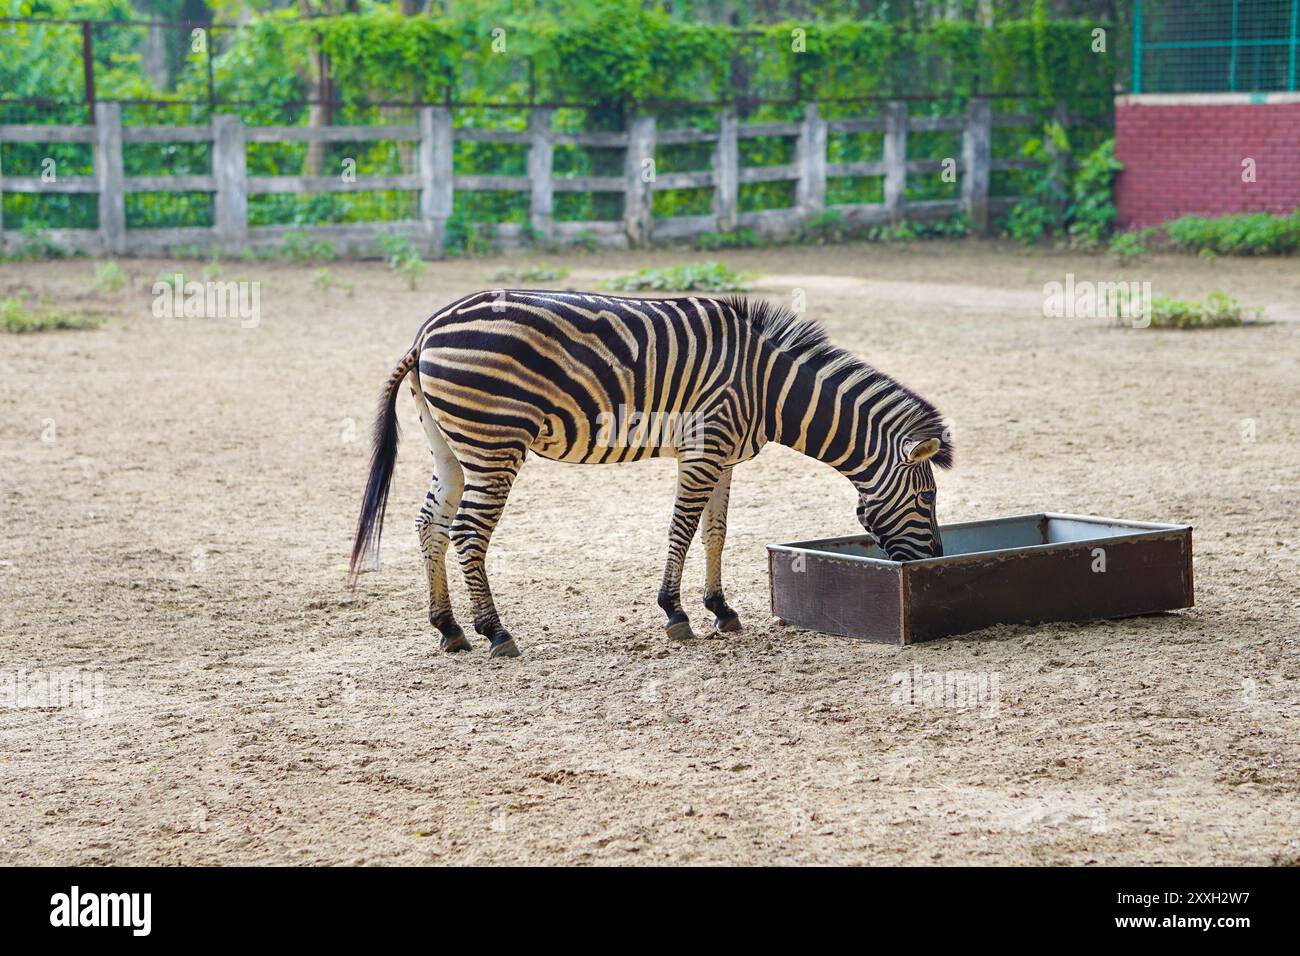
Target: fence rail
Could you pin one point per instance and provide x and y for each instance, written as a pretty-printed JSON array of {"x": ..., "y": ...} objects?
[{"x": 436, "y": 183}]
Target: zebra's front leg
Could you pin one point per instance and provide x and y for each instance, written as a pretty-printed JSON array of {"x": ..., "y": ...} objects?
[
  {"x": 715, "y": 536},
  {"x": 486, "y": 490},
  {"x": 696, "y": 480}
]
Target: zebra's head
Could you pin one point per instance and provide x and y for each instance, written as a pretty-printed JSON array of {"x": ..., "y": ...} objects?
[{"x": 898, "y": 507}]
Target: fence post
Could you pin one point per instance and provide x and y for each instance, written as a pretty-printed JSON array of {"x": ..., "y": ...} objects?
[
  {"x": 975, "y": 161},
  {"x": 810, "y": 154},
  {"x": 230, "y": 170},
  {"x": 726, "y": 171},
  {"x": 541, "y": 150},
  {"x": 895, "y": 156},
  {"x": 639, "y": 174},
  {"x": 435, "y": 173},
  {"x": 109, "y": 179}
]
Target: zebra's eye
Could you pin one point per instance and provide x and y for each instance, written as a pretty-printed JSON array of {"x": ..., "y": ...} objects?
[{"x": 927, "y": 497}]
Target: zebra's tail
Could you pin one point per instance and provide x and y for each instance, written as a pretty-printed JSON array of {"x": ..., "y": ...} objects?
[{"x": 383, "y": 456}]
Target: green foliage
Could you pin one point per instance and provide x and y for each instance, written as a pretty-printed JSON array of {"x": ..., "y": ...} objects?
[
  {"x": 823, "y": 227},
  {"x": 110, "y": 278},
  {"x": 910, "y": 230},
  {"x": 33, "y": 244},
  {"x": 1216, "y": 310},
  {"x": 1043, "y": 210},
  {"x": 467, "y": 238},
  {"x": 740, "y": 239},
  {"x": 300, "y": 247},
  {"x": 870, "y": 57},
  {"x": 958, "y": 226},
  {"x": 1243, "y": 234},
  {"x": 1128, "y": 246},
  {"x": 586, "y": 241},
  {"x": 618, "y": 56},
  {"x": 537, "y": 273},
  {"x": 16, "y": 317},
  {"x": 1093, "y": 210},
  {"x": 829, "y": 226},
  {"x": 696, "y": 276},
  {"x": 402, "y": 258},
  {"x": 324, "y": 280}
]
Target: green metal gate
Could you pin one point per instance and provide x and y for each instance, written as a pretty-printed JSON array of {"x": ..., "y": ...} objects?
[{"x": 1211, "y": 46}]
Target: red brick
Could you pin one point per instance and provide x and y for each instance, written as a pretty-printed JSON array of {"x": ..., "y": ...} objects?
[{"x": 1186, "y": 160}]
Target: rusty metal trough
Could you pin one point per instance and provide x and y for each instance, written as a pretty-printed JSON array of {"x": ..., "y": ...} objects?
[{"x": 1026, "y": 569}]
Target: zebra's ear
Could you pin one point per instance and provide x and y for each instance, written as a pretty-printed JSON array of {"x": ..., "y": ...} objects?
[{"x": 915, "y": 451}]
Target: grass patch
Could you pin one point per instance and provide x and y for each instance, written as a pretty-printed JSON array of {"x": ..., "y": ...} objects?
[
  {"x": 1216, "y": 310},
  {"x": 402, "y": 258},
  {"x": 325, "y": 280},
  {"x": 35, "y": 245},
  {"x": 537, "y": 273},
  {"x": 693, "y": 277},
  {"x": 110, "y": 278},
  {"x": 300, "y": 247},
  {"x": 740, "y": 239},
  {"x": 1129, "y": 246},
  {"x": 16, "y": 317}
]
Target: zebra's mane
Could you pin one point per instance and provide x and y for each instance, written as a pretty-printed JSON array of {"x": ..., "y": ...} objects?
[{"x": 785, "y": 330}]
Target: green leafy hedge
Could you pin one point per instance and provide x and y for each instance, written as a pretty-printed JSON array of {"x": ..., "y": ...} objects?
[
  {"x": 1256, "y": 233},
  {"x": 613, "y": 56}
]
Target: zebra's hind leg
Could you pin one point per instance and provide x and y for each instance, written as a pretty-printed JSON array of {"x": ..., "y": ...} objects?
[
  {"x": 433, "y": 524},
  {"x": 487, "y": 487},
  {"x": 715, "y": 536},
  {"x": 696, "y": 479}
]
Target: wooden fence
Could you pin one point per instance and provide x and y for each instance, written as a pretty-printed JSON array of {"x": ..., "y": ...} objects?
[{"x": 436, "y": 181}]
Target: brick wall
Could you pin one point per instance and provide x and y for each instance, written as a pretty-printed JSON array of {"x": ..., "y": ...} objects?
[{"x": 1182, "y": 155}]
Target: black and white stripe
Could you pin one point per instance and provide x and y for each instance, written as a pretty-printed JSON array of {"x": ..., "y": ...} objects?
[{"x": 497, "y": 375}]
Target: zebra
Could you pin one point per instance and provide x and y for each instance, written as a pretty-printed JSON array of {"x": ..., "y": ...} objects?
[{"x": 498, "y": 374}]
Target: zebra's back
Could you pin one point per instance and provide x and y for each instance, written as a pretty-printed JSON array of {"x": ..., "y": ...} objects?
[{"x": 579, "y": 377}]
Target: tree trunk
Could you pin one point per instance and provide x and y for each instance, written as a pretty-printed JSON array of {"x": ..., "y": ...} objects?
[
  {"x": 318, "y": 95},
  {"x": 154, "y": 58},
  {"x": 405, "y": 149}
]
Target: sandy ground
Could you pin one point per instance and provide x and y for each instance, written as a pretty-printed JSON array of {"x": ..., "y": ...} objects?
[{"x": 178, "y": 498}]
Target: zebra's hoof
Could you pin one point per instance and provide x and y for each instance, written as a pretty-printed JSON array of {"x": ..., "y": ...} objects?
[
  {"x": 506, "y": 648},
  {"x": 455, "y": 642},
  {"x": 729, "y": 625},
  {"x": 681, "y": 631}
]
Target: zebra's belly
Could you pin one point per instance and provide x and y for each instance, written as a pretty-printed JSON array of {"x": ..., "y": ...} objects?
[
  {"x": 601, "y": 456},
  {"x": 664, "y": 437}
]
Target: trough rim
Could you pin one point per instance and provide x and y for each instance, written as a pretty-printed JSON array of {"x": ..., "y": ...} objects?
[{"x": 1150, "y": 530}]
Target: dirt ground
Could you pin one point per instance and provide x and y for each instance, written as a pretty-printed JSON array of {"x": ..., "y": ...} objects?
[{"x": 178, "y": 501}]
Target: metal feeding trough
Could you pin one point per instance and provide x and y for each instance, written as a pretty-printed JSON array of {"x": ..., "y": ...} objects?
[{"x": 1019, "y": 570}]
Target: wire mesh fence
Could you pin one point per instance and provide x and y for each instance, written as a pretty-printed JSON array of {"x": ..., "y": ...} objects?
[{"x": 1215, "y": 46}]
